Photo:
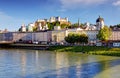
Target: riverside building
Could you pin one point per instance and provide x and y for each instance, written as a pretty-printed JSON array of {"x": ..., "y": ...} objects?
[{"x": 57, "y": 35}]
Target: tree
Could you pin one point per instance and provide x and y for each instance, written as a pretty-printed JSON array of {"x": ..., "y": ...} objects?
[
  {"x": 50, "y": 26},
  {"x": 19, "y": 29},
  {"x": 104, "y": 33},
  {"x": 83, "y": 38},
  {"x": 64, "y": 26},
  {"x": 70, "y": 38},
  {"x": 76, "y": 38},
  {"x": 57, "y": 23},
  {"x": 118, "y": 25},
  {"x": 34, "y": 28},
  {"x": 75, "y": 25}
]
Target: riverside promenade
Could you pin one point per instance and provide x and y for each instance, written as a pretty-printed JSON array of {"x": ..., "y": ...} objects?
[
  {"x": 6, "y": 42},
  {"x": 24, "y": 46}
]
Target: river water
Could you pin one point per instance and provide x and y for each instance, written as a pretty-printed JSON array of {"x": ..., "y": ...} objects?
[{"x": 20, "y": 63}]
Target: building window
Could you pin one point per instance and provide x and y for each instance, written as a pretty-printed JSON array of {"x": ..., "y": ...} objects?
[{"x": 55, "y": 38}]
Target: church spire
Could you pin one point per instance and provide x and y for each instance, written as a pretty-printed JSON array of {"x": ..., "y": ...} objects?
[
  {"x": 78, "y": 22},
  {"x": 99, "y": 16}
]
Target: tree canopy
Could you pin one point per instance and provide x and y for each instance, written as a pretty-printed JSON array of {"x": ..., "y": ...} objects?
[
  {"x": 76, "y": 38},
  {"x": 51, "y": 25},
  {"x": 104, "y": 33}
]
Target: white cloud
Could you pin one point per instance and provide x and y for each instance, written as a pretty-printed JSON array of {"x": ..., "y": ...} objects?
[
  {"x": 117, "y": 3},
  {"x": 10, "y": 22},
  {"x": 4, "y": 16},
  {"x": 76, "y": 3}
]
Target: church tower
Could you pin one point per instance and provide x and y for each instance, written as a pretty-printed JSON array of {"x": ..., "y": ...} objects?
[
  {"x": 100, "y": 23},
  {"x": 78, "y": 22}
]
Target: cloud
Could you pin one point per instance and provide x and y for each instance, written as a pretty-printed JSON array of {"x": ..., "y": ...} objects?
[
  {"x": 9, "y": 22},
  {"x": 4, "y": 16},
  {"x": 76, "y": 3},
  {"x": 117, "y": 3}
]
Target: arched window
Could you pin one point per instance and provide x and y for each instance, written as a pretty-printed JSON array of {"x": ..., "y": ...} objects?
[{"x": 55, "y": 38}]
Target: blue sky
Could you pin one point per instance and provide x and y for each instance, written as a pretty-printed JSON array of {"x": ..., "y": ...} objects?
[{"x": 13, "y": 13}]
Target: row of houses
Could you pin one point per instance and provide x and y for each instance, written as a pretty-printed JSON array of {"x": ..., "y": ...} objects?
[{"x": 57, "y": 36}]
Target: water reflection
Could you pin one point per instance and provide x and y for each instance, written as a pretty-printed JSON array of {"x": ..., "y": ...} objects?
[{"x": 15, "y": 63}]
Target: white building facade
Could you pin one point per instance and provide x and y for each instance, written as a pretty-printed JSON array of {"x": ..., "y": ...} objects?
[
  {"x": 58, "y": 35},
  {"x": 33, "y": 36}
]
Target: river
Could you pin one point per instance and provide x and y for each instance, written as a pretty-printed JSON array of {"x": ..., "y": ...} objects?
[{"x": 21, "y": 63}]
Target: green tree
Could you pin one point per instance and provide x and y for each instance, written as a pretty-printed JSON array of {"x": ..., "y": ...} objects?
[
  {"x": 118, "y": 25},
  {"x": 75, "y": 25},
  {"x": 104, "y": 33},
  {"x": 70, "y": 38},
  {"x": 57, "y": 23},
  {"x": 50, "y": 26},
  {"x": 34, "y": 28},
  {"x": 63, "y": 26},
  {"x": 83, "y": 38},
  {"x": 76, "y": 38},
  {"x": 81, "y": 25},
  {"x": 19, "y": 29}
]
